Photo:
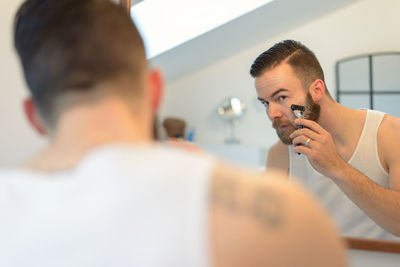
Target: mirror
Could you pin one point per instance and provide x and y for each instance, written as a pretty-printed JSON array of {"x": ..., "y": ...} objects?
[{"x": 216, "y": 64}]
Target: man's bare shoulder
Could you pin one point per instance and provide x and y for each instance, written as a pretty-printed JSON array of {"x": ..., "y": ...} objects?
[
  {"x": 260, "y": 219},
  {"x": 278, "y": 157},
  {"x": 390, "y": 124},
  {"x": 278, "y": 148},
  {"x": 388, "y": 138},
  {"x": 389, "y": 148}
]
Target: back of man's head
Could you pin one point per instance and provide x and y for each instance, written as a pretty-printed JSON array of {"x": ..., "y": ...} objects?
[
  {"x": 302, "y": 60},
  {"x": 70, "y": 46}
]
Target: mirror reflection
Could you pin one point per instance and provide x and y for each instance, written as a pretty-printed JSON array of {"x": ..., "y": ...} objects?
[
  {"x": 335, "y": 35},
  {"x": 343, "y": 156}
]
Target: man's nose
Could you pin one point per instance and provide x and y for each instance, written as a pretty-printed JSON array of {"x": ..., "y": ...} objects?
[{"x": 274, "y": 112}]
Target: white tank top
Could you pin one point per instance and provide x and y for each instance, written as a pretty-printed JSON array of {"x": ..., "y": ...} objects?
[
  {"x": 350, "y": 219},
  {"x": 136, "y": 205}
]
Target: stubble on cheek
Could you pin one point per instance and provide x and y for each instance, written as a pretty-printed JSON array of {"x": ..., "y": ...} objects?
[{"x": 284, "y": 134}]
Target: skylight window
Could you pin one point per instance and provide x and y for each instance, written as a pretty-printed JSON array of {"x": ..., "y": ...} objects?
[{"x": 165, "y": 24}]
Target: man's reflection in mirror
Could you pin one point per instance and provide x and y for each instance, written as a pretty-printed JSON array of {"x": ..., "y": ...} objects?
[{"x": 348, "y": 158}]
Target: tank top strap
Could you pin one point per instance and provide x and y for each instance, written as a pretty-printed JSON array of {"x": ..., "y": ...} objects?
[
  {"x": 373, "y": 121},
  {"x": 367, "y": 149}
]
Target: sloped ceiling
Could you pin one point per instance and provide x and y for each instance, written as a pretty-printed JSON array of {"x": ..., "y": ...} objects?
[{"x": 244, "y": 32}]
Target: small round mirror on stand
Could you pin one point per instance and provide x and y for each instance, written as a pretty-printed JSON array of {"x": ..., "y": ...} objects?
[{"x": 230, "y": 110}]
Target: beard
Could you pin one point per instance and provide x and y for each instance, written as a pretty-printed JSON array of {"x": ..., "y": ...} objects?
[
  {"x": 284, "y": 134},
  {"x": 312, "y": 112}
]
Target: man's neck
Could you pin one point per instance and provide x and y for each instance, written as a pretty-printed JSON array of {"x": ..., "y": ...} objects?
[
  {"x": 83, "y": 128},
  {"x": 344, "y": 124}
]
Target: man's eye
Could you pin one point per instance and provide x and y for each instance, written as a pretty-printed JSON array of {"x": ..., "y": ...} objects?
[
  {"x": 265, "y": 103},
  {"x": 282, "y": 97}
]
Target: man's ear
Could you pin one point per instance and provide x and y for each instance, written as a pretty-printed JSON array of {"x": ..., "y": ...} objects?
[
  {"x": 32, "y": 114},
  {"x": 156, "y": 87},
  {"x": 317, "y": 90}
]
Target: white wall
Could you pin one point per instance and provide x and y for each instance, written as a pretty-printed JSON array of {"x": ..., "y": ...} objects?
[
  {"x": 17, "y": 140},
  {"x": 363, "y": 27}
]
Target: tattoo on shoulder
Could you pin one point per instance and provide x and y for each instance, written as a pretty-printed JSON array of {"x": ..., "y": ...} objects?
[
  {"x": 225, "y": 194},
  {"x": 267, "y": 208},
  {"x": 263, "y": 205}
]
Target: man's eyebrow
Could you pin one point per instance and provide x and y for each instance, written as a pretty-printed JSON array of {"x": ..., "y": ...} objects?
[
  {"x": 278, "y": 91},
  {"x": 274, "y": 94}
]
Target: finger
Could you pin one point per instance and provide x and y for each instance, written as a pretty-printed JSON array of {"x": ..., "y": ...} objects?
[
  {"x": 302, "y": 140},
  {"x": 302, "y": 150},
  {"x": 305, "y": 131},
  {"x": 310, "y": 124}
]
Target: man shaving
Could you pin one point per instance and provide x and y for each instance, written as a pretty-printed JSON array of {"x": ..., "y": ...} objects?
[{"x": 348, "y": 158}]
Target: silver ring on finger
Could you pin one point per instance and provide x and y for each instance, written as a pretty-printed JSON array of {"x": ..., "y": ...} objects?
[{"x": 307, "y": 142}]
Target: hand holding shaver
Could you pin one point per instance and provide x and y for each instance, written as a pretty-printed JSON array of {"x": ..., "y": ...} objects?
[{"x": 298, "y": 112}]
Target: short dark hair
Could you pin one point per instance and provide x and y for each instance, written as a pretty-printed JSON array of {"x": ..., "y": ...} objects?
[
  {"x": 303, "y": 61},
  {"x": 72, "y": 45}
]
